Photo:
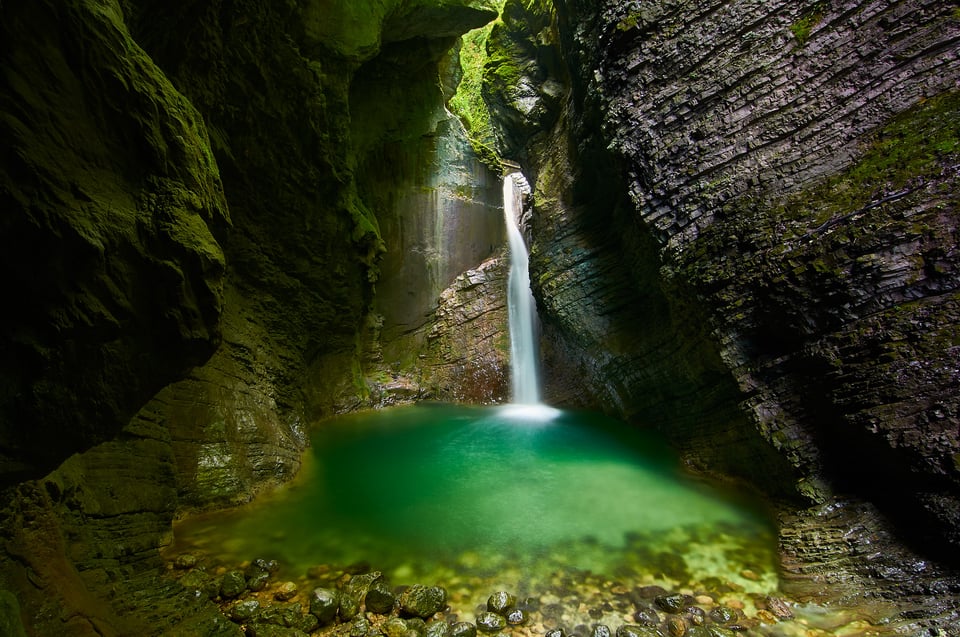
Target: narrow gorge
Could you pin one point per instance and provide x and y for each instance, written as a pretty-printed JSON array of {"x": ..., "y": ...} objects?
[{"x": 228, "y": 223}]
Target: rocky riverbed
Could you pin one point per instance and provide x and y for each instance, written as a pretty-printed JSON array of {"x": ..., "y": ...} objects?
[{"x": 264, "y": 598}]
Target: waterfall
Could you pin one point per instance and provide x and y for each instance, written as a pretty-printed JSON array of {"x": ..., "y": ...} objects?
[{"x": 522, "y": 309}]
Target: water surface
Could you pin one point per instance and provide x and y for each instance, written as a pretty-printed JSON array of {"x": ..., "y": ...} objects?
[{"x": 433, "y": 492}]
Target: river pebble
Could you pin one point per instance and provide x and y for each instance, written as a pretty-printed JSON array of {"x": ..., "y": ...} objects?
[{"x": 345, "y": 602}]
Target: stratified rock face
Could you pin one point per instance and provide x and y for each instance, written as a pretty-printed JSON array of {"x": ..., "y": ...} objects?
[
  {"x": 752, "y": 207},
  {"x": 125, "y": 271},
  {"x": 461, "y": 353},
  {"x": 467, "y": 358},
  {"x": 798, "y": 164},
  {"x": 613, "y": 338},
  {"x": 440, "y": 210},
  {"x": 112, "y": 208},
  {"x": 335, "y": 150}
]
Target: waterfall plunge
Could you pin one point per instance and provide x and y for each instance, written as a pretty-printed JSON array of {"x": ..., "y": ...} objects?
[{"x": 524, "y": 366}]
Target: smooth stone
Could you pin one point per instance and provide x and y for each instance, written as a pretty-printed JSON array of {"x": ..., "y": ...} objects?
[
  {"x": 779, "y": 607},
  {"x": 600, "y": 630},
  {"x": 285, "y": 592},
  {"x": 647, "y": 617},
  {"x": 673, "y": 603},
  {"x": 516, "y": 617},
  {"x": 287, "y": 616},
  {"x": 258, "y": 582},
  {"x": 185, "y": 561},
  {"x": 349, "y": 606},
  {"x": 360, "y": 627},
  {"x": 324, "y": 604},
  {"x": 501, "y": 602},
  {"x": 676, "y": 627},
  {"x": 423, "y": 601},
  {"x": 696, "y": 615},
  {"x": 379, "y": 598},
  {"x": 395, "y": 627},
  {"x": 244, "y": 611},
  {"x": 437, "y": 628},
  {"x": 272, "y": 630},
  {"x": 633, "y": 630},
  {"x": 463, "y": 629},
  {"x": 417, "y": 625},
  {"x": 490, "y": 622},
  {"x": 724, "y": 615},
  {"x": 232, "y": 584}
]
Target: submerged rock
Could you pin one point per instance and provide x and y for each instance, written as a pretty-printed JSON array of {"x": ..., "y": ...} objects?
[
  {"x": 423, "y": 601},
  {"x": 244, "y": 611},
  {"x": 324, "y": 604},
  {"x": 724, "y": 615},
  {"x": 490, "y": 622},
  {"x": 646, "y": 617},
  {"x": 463, "y": 629},
  {"x": 437, "y": 628},
  {"x": 600, "y": 630},
  {"x": 676, "y": 627},
  {"x": 285, "y": 592},
  {"x": 633, "y": 630},
  {"x": 396, "y": 627},
  {"x": 695, "y": 615},
  {"x": 674, "y": 603},
  {"x": 501, "y": 602},
  {"x": 379, "y": 598},
  {"x": 232, "y": 584},
  {"x": 518, "y": 616}
]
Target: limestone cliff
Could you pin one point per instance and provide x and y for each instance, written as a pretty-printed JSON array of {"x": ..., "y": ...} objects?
[
  {"x": 745, "y": 234},
  {"x": 129, "y": 128}
]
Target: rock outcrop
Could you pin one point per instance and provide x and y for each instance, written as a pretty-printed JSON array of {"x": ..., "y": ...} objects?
[
  {"x": 111, "y": 236},
  {"x": 130, "y": 127},
  {"x": 745, "y": 235}
]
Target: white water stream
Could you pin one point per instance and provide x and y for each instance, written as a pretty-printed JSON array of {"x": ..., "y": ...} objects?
[{"x": 524, "y": 354}]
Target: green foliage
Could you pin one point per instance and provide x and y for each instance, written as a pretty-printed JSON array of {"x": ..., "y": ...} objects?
[{"x": 629, "y": 22}]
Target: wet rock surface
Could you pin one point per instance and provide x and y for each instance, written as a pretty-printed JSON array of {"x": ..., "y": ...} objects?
[{"x": 572, "y": 603}]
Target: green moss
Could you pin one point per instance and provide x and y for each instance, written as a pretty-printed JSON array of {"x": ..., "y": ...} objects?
[
  {"x": 911, "y": 145},
  {"x": 802, "y": 28},
  {"x": 468, "y": 103}
]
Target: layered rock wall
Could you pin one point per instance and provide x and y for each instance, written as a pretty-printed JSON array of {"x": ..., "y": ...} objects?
[
  {"x": 797, "y": 164},
  {"x": 129, "y": 127},
  {"x": 745, "y": 234},
  {"x": 111, "y": 236}
]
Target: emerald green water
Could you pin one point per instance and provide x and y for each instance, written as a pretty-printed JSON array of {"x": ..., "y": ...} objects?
[{"x": 436, "y": 493}]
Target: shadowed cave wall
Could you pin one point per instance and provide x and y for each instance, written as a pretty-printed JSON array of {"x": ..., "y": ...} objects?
[{"x": 193, "y": 198}]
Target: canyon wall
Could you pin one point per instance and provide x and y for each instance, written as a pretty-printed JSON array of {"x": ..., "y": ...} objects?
[
  {"x": 745, "y": 234},
  {"x": 192, "y": 236}
]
